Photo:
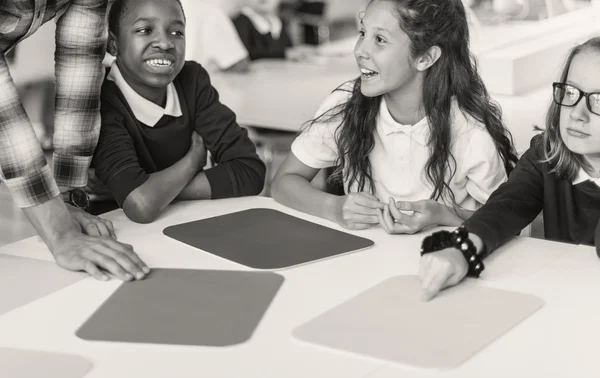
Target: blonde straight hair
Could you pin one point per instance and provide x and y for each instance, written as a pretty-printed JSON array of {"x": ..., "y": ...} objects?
[{"x": 564, "y": 162}]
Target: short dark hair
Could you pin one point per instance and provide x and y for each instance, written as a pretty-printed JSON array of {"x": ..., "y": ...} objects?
[{"x": 118, "y": 9}]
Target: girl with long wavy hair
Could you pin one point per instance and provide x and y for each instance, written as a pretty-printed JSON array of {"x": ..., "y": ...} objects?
[
  {"x": 559, "y": 175},
  {"x": 415, "y": 139}
]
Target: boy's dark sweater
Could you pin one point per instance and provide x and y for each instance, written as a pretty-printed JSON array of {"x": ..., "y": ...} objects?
[
  {"x": 129, "y": 151},
  {"x": 570, "y": 212},
  {"x": 261, "y": 45}
]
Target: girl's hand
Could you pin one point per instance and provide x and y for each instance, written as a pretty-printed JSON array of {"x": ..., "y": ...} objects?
[
  {"x": 425, "y": 213},
  {"x": 358, "y": 211},
  {"x": 440, "y": 270}
]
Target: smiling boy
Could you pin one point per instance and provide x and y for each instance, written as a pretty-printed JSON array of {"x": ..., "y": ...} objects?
[{"x": 159, "y": 116}]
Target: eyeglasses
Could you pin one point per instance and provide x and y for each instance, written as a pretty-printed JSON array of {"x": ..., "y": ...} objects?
[{"x": 568, "y": 95}]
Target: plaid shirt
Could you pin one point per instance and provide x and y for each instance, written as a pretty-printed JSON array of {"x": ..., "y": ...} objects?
[{"x": 80, "y": 45}]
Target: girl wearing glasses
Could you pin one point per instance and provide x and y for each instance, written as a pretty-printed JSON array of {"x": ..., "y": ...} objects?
[{"x": 559, "y": 175}]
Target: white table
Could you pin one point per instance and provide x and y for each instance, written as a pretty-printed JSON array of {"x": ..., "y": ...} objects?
[
  {"x": 558, "y": 341},
  {"x": 281, "y": 95}
]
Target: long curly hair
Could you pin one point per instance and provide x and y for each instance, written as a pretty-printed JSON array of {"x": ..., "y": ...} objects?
[
  {"x": 427, "y": 23},
  {"x": 564, "y": 162}
]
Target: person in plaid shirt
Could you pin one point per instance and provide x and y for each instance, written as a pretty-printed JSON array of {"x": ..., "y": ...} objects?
[{"x": 77, "y": 240}]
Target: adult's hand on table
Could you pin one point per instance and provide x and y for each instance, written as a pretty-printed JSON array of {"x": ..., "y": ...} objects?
[
  {"x": 98, "y": 256},
  {"x": 90, "y": 224}
]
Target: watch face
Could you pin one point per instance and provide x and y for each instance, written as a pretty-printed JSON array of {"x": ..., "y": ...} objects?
[{"x": 80, "y": 198}]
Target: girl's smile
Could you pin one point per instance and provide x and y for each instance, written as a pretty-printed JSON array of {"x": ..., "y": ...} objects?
[
  {"x": 383, "y": 56},
  {"x": 367, "y": 74}
]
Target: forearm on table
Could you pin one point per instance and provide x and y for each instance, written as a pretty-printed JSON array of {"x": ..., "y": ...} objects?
[
  {"x": 197, "y": 189},
  {"x": 297, "y": 192},
  {"x": 145, "y": 203}
]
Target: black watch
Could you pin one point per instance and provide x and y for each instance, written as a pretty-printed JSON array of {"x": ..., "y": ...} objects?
[{"x": 77, "y": 197}]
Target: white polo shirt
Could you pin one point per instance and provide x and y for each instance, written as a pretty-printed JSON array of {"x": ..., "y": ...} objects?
[
  {"x": 211, "y": 38},
  {"x": 400, "y": 154}
]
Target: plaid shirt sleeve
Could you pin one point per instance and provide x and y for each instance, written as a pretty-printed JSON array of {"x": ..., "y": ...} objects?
[
  {"x": 80, "y": 46},
  {"x": 23, "y": 167}
]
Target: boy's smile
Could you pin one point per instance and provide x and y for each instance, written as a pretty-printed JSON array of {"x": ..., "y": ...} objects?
[{"x": 150, "y": 46}]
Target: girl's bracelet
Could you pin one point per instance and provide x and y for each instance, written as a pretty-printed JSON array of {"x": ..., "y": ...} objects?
[{"x": 458, "y": 239}]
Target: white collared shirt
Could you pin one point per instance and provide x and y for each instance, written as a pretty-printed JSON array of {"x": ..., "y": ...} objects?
[
  {"x": 144, "y": 110},
  {"x": 582, "y": 176},
  {"x": 401, "y": 152},
  {"x": 271, "y": 24}
]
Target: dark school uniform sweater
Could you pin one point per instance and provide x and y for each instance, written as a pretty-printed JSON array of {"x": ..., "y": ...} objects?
[
  {"x": 128, "y": 151},
  {"x": 570, "y": 212},
  {"x": 261, "y": 46}
]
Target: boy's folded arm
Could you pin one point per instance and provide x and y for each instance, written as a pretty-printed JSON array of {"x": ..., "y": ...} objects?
[
  {"x": 236, "y": 178},
  {"x": 198, "y": 188},
  {"x": 147, "y": 201},
  {"x": 239, "y": 170},
  {"x": 141, "y": 195}
]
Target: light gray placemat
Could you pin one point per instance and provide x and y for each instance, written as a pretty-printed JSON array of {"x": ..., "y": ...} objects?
[
  {"x": 390, "y": 322},
  {"x": 20, "y": 363},
  {"x": 185, "y": 307},
  {"x": 265, "y": 238},
  {"x": 23, "y": 280}
]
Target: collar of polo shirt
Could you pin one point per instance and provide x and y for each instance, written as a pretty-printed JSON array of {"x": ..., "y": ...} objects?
[
  {"x": 418, "y": 132},
  {"x": 144, "y": 110},
  {"x": 582, "y": 176}
]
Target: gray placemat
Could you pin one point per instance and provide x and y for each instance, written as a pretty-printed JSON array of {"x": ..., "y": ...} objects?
[
  {"x": 390, "y": 322},
  {"x": 20, "y": 363},
  {"x": 185, "y": 307},
  {"x": 265, "y": 238},
  {"x": 23, "y": 280}
]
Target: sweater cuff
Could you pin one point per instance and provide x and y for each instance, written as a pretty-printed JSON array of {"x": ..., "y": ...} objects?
[
  {"x": 221, "y": 185},
  {"x": 122, "y": 184}
]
